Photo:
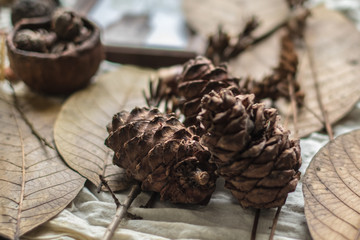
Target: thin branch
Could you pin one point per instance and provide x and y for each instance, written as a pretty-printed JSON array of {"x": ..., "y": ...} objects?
[
  {"x": 121, "y": 212},
  {"x": 255, "y": 224},
  {"x": 275, "y": 220},
  {"x": 104, "y": 183},
  {"x": 27, "y": 121}
]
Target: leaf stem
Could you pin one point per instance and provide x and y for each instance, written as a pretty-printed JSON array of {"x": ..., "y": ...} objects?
[
  {"x": 121, "y": 212},
  {"x": 275, "y": 220},
  {"x": 324, "y": 112},
  {"x": 27, "y": 121},
  {"x": 255, "y": 224},
  {"x": 105, "y": 184}
]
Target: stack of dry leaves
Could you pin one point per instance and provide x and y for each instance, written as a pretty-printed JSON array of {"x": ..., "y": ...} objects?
[{"x": 36, "y": 184}]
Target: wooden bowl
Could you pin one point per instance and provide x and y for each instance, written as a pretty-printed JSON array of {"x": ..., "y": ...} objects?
[{"x": 54, "y": 73}]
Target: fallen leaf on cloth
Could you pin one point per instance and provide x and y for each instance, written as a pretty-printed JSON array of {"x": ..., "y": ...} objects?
[
  {"x": 80, "y": 129},
  {"x": 332, "y": 190},
  {"x": 35, "y": 183}
]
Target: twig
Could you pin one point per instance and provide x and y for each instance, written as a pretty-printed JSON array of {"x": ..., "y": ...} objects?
[
  {"x": 104, "y": 183},
  {"x": 121, "y": 212},
  {"x": 27, "y": 121},
  {"x": 255, "y": 224},
  {"x": 275, "y": 220}
]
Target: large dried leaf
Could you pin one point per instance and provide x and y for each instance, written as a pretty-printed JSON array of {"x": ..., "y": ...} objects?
[
  {"x": 35, "y": 184},
  {"x": 332, "y": 45},
  {"x": 80, "y": 129},
  {"x": 204, "y": 16},
  {"x": 332, "y": 189}
]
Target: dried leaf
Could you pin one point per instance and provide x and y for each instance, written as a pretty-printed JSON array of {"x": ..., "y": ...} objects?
[
  {"x": 332, "y": 190},
  {"x": 80, "y": 129},
  {"x": 35, "y": 183},
  {"x": 332, "y": 44},
  {"x": 204, "y": 16}
]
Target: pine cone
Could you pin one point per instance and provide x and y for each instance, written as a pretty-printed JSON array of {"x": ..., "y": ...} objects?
[
  {"x": 158, "y": 151},
  {"x": 254, "y": 154},
  {"x": 66, "y": 24},
  {"x": 198, "y": 78},
  {"x": 276, "y": 85}
]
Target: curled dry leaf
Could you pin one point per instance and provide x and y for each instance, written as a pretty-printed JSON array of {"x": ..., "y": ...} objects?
[
  {"x": 332, "y": 190},
  {"x": 80, "y": 129},
  {"x": 35, "y": 184},
  {"x": 329, "y": 66}
]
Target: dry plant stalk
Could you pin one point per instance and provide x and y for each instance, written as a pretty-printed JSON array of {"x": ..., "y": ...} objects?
[{"x": 121, "y": 212}]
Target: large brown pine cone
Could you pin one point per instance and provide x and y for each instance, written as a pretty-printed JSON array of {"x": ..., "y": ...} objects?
[
  {"x": 158, "y": 151},
  {"x": 198, "y": 78},
  {"x": 254, "y": 153}
]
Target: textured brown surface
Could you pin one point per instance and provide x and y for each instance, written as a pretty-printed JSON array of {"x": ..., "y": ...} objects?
[
  {"x": 332, "y": 190},
  {"x": 80, "y": 129},
  {"x": 56, "y": 73},
  {"x": 35, "y": 183},
  {"x": 254, "y": 153},
  {"x": 161, "y": 153},
  {"x": 198, "y": 78}
]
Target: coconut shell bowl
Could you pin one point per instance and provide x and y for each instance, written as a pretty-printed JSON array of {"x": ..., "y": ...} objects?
[{"x": 57, "y": 55}]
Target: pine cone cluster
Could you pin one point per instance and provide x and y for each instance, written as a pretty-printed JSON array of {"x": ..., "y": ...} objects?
[
  {"x": 158, "y": 151},
  {"x": 253, "y": 152}
]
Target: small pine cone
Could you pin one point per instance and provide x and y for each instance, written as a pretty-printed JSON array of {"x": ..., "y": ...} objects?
[
  {"x": 29, "y": 40},
  {"x": 276, "y": 85},
  {"x": 32, "y": 9},
  {"x": 254, "y": 154},
  {"x": 217, "y": 44},
  {"x": 198, "y": 78},
  {"x": 158, "y": 151},
  {"x": 66, "y": 24}
]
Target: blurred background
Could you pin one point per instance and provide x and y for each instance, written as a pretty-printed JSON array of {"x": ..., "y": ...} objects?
[{"x": 156, "y": 33}]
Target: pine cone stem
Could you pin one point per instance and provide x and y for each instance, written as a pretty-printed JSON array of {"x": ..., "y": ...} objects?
[{"x": 121, "y": 212}]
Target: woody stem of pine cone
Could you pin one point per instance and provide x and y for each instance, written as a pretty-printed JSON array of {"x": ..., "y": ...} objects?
[
  {"x": 318, "y": 94},
  {"x": 255, "y": 224},
  {"x": 121, "y": 212},
  {"x": 27, "y": 121},
  {"x": 106, "y": 185},
  {"x": 275, "y": 220}
]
